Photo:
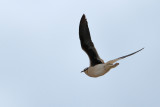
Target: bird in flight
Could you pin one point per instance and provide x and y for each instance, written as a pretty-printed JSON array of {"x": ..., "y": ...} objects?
[{"x": 97, "y": 66}]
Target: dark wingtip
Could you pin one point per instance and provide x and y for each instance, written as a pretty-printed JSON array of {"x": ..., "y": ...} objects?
[
  {"x": 131, "y": 54},
  {"x": 83, "y": 19},
  {"x": 140, "y": 49},
  {"x": 83, "y": 15}
]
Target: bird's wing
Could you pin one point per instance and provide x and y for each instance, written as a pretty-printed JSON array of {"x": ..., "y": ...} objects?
[
  {"x": 115, "y": 60},
  {"x": 86, "y": 42}
]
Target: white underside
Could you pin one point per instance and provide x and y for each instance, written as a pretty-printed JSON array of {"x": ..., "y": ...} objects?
[
  {"x": 98, "y": 70},
  {"x": 101, "y": 69}
]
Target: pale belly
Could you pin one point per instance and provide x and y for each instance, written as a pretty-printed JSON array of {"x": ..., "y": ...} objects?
[{"x": 97, "y": 70}]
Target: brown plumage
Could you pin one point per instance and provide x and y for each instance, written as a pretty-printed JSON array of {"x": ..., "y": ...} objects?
[{"x": 97, "y": 66}]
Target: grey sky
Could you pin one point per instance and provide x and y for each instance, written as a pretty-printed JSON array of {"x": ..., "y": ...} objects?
[{"x": 41, "y": 57}]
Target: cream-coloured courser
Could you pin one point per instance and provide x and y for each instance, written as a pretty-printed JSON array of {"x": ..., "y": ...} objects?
[{"x": 97, "y": 66}]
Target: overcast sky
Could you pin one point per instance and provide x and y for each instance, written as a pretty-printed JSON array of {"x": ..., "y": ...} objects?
[{"x": 41, "y": 57}]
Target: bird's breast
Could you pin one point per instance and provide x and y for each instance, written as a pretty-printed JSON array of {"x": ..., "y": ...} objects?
[{"x": 97, "y": 70}]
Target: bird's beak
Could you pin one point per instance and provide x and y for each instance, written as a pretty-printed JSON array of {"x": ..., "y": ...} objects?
[{"x": 82, "y": 71}]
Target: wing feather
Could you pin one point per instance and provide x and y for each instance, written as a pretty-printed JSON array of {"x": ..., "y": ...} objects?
[
  {"x": 86, "y": 42},
  {"x": 117, "y": 59}
]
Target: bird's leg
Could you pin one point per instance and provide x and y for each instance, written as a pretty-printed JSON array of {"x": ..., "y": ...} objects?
[{"x": 84, "y": 70}]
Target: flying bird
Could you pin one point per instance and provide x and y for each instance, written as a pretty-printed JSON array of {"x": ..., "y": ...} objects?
[{"x": 97, "y": 66}]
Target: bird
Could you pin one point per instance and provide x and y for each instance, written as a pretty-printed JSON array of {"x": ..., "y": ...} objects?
[{"x": 97, "y": 66}]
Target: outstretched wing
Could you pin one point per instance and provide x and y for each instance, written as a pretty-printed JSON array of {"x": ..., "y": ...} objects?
[
  {"x": 115, "y": 60},
  {"x": 86, "y": 42}
]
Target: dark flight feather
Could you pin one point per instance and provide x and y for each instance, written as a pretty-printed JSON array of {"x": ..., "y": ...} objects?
[
  {"x": 86, "y": 42},
  {"x": 117, "y": 59}
]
